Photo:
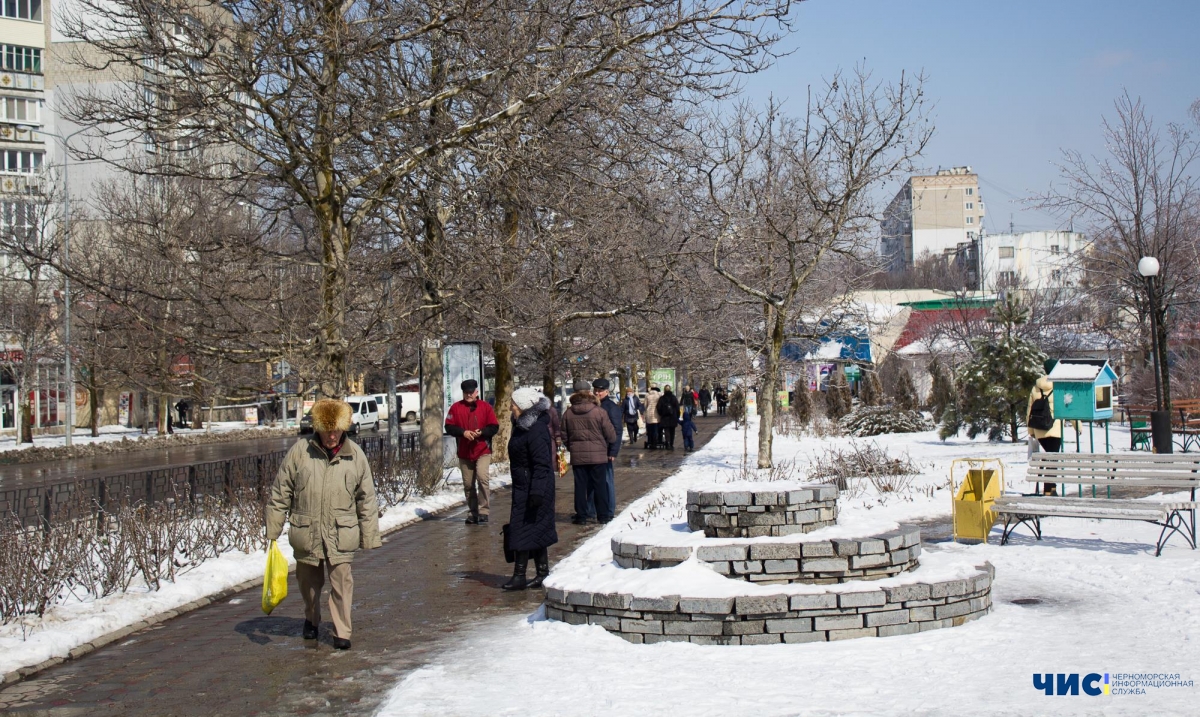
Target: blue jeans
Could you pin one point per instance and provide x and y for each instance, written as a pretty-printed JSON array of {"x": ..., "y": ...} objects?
[{"x": 592, "y": 482}]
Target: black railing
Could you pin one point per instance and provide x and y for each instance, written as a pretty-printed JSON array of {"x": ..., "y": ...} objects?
[{"x": 74, "y": 498}]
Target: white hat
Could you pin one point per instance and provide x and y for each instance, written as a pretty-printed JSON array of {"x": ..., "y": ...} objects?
[{"x": 527, "y": 397}]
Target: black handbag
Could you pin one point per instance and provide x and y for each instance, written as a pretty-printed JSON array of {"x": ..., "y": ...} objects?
[{"x": 510, "y": 555}]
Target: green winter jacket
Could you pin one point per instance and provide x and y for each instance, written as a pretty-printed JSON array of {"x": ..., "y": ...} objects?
[{"x": 329, "y": 504}]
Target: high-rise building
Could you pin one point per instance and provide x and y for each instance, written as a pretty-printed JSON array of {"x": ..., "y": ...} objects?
[
  {"x": 937, "y": 214},
  {"x": 22, "y": 105}
]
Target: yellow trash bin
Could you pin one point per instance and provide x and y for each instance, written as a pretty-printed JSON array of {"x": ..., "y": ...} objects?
[{"x": 976, "y": 483}]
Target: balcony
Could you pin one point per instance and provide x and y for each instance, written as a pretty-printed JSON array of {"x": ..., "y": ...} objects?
[
  {"x": 21, "y": 183},
  {"x": 12, "y": 80}
]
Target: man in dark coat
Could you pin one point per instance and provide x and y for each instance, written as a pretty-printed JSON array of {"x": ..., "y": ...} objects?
[
  {"x": 668, "y": 417},
  {"x": 600, "y": 387},
  {"x": 588, "y": 432},
  {"x": 687, "y": 400},
  {"x": 533, "y": 466},
  {"x": 705, "y": 399}
]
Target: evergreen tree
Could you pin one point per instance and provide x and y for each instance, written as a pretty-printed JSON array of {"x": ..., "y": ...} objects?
[
  {"x": 941, "y": 393},
  {"x": 837, "y": 397},
  {"x": 870, "y": 391},
  {"x": 802, "y": 405},
  {"x": 905, "y": 394},
  {"x": 995, "y": 384},
  {"x": 737, "y": 406}
]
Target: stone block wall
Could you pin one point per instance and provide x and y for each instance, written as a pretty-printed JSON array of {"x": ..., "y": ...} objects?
[
  {"x": 819, "y": 562},
  {"x": 773, "y": 619},
  {"x": 723, "y": 513}
]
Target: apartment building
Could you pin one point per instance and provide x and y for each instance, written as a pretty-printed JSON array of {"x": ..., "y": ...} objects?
[
  {"x": 935, "y": 214},
  {"x": 1037, "y": 260},
  {"x": 22, "y": 105}
]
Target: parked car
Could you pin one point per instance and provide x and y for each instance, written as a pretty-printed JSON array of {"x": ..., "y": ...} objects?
[
  {"x": 382, "y": 403},
  {"x": 364, "y": 413}
]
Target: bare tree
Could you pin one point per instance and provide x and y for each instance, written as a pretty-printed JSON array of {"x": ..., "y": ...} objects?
[
  {"x": 788, "y": 197},
  {"x": 1140, "y": 200}
]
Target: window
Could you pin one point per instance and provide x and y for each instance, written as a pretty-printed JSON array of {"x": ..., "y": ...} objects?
[
  {"x": 1053, "y": 248},
  {"x": 19, "y": 109},
  {"x": 970, "y": 191},
  {"x": 1103, "y": 398},
  {"x": 971, "y": 235},
  {"x": 970, "y": 220},
  {"x": 18, "y": 218},
  {"x": 1056, "y": 276},
  {"x": 1008, "y": 278},
  {"x": 970, "y": 205},
  {"x": 22, "y": 59},
  {"x": 1007, "y": 252},
  {"x": 23, "y": 9},
  {"x": 19, "y": 161}
]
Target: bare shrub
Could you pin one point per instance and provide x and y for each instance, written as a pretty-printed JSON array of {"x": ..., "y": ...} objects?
[{"x": 864, "y": 461}]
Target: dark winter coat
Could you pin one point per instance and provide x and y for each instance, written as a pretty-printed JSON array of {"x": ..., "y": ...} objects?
[
  {"x": 637, "y": 408},
  {"x": 668, "y": 410},
  {"x": 587, "y": 430},
  {"x": 705, "y": 398},
  {"x": 688, "y": 426},
  {"x": 688, "y": 400},
  {"x": 613, "y": 409},
  {"x": 532, "y": 462}
]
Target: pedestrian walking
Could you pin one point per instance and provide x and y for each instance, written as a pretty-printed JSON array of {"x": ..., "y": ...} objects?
[
  {"x": 473, "y": 423},
  {"x": 1041, "y": 424},
  {"x": 722, "y": 397},
  {"x": 668, "y": 417},
  {"x": 325, "y": 493},
  {"x": 687, "y": 400},
  {"x": 182, "y": 407},
  {"x": 600, "y": 388},
  {"x": 653, "y": 435},
  {"x": 631, "y": 409},
  {"x": 705, "y": 401},
  {"x": 588, "y": 432},
  {"x": 534, "y": 468},
  {"x": 688, "y": 428}
]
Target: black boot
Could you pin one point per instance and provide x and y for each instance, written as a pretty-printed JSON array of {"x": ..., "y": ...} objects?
[
  {"x": 518, "y": 578},
  {"x": 541, "y": 562}
]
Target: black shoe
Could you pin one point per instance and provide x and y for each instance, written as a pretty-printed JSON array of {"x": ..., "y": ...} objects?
[
  {"x": 472, "y": 519},
  {"x": 341, "y": 643},
  {"x": 541, "y": 562},
  {"x": 517, "y": 582},
  {"x": 310, "y": 631},
  {"x": 578, "y": 520},
  {"x": 482, "y": 520}
]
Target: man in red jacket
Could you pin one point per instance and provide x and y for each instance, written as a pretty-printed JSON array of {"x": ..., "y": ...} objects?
[{"x": 473, "y": 423}]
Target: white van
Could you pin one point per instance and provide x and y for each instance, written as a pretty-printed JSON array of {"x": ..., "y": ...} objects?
[
  {"x": 408, "y": 402},
  {"x": 365, "y": 413}
]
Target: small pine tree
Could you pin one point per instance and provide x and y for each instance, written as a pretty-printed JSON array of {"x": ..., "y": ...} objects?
[
  {"x": 870, "y": 391},
  {"x": 837, "y": 397},
  {"x": 995, "y": 384},
  {"x": 941, "y": 393},
  {"x": 802, "y": 405},
  {"x": 737, "y": 406},
  {"x": 905, "y": 395}
]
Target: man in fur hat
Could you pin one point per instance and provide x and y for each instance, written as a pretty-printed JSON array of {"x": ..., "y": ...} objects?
[{"x": 325, "y": 492}]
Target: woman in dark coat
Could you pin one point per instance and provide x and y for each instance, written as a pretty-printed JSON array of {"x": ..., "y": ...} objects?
[
  {"x": 532, "y": 463},
  {"x": 668, "y": 417}
]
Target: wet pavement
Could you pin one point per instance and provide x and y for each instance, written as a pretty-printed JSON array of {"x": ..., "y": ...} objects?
[
  {"x": 428, "y": 581},
  {"x": 32, "y": 475}
]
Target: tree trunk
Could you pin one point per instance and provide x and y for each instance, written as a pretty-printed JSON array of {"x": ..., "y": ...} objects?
[
  {"x": 504, "y": 390},
  {"x": 335, "y": 283},
  {"x": 164, "y": 413},
  {"x": 24, "y": 413},
  {"x": 433, "y": 417},
  {"x": 633, "y": 379},
  {"x": 766, "y": 402},
  {"x": 94, "y": 410}
]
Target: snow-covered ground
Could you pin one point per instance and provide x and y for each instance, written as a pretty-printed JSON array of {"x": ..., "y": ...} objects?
[
  {"x": 1093, "y": 599},
  {"x": 70, "y": 625},
  {"x": 84, "y": 436}
]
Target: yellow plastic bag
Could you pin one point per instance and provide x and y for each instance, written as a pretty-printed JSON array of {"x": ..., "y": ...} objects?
[{"x": 275, "y": 578}]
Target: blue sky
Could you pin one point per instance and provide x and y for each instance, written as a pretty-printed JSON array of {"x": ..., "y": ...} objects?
[{"x": 1012, "y": 82}]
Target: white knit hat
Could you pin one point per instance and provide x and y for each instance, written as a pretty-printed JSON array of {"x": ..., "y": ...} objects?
[{"x": 527, "y": 397}]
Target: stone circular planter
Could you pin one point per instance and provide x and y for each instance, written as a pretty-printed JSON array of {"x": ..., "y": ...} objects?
[
  {"x": 781, "y": 561},
  {"x": 752, "y": 510}
]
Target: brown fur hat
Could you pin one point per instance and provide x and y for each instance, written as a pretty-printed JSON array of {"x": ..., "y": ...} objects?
[{"x": 330, "y": 414}]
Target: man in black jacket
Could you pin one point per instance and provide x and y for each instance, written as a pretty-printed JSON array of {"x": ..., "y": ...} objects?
[
  {"x": 600, "y": 387},
  {"x": 668, "y": 417},
  {"x": 705, "y": 399}
]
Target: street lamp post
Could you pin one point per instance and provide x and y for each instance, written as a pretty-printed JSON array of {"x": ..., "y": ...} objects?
[
  {"x": 70, "y": 420},
  {"x": 1160, "y": 418}
]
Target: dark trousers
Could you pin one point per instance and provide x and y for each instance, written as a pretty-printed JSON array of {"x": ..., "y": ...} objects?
[
  {"x": 653, "y": 434},
  {"x": 594, "y": 480},
  {"x": 633, "y": 432},
  {"x": 668, "y": 435},
  {"x": 688, "y": 443},
  {"x": 1050, "y": 445}
]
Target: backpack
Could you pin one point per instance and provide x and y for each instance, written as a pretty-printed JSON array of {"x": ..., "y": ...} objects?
[{"x": 1041, "y": 416}]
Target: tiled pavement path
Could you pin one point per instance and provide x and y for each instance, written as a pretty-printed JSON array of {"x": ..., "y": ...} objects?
[{"x": 428, "y": 580}]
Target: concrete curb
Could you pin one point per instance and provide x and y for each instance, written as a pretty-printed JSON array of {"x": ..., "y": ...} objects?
[{"x": 23, "y": 673}]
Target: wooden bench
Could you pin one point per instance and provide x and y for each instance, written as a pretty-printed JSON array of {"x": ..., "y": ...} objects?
[{"x": 1160, "y": 472}]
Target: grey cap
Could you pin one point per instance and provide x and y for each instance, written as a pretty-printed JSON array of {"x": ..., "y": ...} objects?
[{"x": 581, "y": 385}]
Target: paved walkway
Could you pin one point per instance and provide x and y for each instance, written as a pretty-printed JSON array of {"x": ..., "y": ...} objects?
[{"x": 428, "y": 580}]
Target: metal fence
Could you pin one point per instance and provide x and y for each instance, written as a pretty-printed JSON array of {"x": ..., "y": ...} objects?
[{"x": 72, "y": 499}]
